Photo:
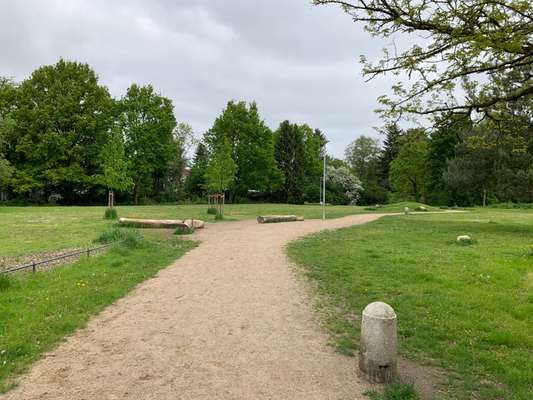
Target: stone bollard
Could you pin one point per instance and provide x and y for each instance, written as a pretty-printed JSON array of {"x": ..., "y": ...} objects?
[
  {"x": 406, "y": 210},
  {"x": 378, "y": 347},
  {"x": 463, "y": 239}
]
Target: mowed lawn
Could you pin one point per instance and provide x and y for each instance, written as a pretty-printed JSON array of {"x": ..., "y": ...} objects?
[
  {"x": 467, "y": 309},
  {"x": 27, "y": 230}
]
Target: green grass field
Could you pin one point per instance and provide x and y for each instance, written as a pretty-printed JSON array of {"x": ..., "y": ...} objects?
[
  {"x": 26, "y": 230},
  {"x": 466, "y": 309},
  {"x": 38, "y": 310}
]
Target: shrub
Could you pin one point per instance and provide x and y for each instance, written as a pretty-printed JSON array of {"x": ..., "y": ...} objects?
[
  {"x": 110, "y": 213},
  {"x": 127, "y": 237},
  {"x": 212, "y": 210},
  {"x": 185, "y": 230},
  {"x": 5, "y": 282},
  {"x": 132, "y": 240}
]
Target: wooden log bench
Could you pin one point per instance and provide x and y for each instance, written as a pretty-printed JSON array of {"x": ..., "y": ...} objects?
[
  {"x": 269, "y": 219},
  {"x": 162, "y": 223}
]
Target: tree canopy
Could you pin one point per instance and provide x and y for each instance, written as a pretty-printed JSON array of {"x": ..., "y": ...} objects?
[
  {"x": 252, "y": 148},
  {"x": 62, "y": 116},
  {"x": 64, "y": 138},
  {"x": 147, "y": 122},
  {"x": 363, "y": 155},
  {"x": 408, "y": 173}
]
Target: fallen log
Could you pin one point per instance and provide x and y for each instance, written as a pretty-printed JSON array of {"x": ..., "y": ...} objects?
[
  {"x": 268, "y": 219},
  {"x": 194, "y": 223},
  {"x": 153, "y": 223}
]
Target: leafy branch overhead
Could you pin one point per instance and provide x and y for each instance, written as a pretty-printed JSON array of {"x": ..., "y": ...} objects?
[{"x": 460, "y": 47}]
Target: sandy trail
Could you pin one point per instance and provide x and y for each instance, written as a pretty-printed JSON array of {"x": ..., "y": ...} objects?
[{"x": 229, "y": 320}]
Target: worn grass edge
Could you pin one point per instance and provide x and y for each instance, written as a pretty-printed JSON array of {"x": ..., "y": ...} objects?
[
  {"x": 325, "y": 310},
  {"x": 13, "y": 379}
]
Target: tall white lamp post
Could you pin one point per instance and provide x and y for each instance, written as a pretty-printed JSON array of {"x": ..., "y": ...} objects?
[{"x": 324, "y": 188}]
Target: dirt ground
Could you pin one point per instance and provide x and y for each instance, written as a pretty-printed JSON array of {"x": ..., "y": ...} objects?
[{"x": 229, "y": 320}]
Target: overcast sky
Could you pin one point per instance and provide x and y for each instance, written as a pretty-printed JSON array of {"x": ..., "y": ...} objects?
[{"x": 297, "y": 61}]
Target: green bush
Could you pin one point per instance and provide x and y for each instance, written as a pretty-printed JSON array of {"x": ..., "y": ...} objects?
[
  {"x": 128, "y": 237},
  {"x": 5, "y": 282},
  {"x": 212, "y": 210},
  {"x": 183, "y": 230},
  {"x": 110, "y": 213},
  {"x": 133, "y": 240}
]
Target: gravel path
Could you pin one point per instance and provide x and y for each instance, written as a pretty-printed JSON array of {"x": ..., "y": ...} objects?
[{"x": 229, "y": 320}]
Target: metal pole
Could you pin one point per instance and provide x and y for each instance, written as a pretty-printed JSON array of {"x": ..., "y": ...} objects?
[
  {"x": 324, "y": 188},
  {"x": 320, "y": 192}
]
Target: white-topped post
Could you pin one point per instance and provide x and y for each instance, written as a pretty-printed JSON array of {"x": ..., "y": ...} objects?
[{"x": 378, "y": 347}]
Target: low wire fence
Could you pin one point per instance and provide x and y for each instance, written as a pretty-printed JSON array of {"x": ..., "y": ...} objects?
[{"x": 34, "y": 265}]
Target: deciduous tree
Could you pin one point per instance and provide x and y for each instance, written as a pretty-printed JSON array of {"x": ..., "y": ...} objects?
[
  {"x": 252, "y": 148},
  {"x": 342, "y": 186},
  {"x": 115, "y": 173},
  {"x": 7, "y": 91},
  {"x": 147, "y": 122},
  {"x": 314, "y": 145},
  {"x": 220, "y": 172},
  {"x": 441, "y": 148},
  {"x": 62, "y": 118},
  {"x": 173, "y": 180},
  {"x": 465, "y": 43},
  {"x": 408, "y": 172},
  {"x": 363, "y": 156}
]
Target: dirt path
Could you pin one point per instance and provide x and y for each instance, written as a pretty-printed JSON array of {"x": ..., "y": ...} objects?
[{"x": 229, "y": 320}]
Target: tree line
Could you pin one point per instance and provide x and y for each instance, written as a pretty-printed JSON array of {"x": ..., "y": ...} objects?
[
  {"x": 469, "y": 84},
  {"x": 64, "y": 139},
  {"x": 243, "y": 158},
  {"x": 454, "y": 162}
]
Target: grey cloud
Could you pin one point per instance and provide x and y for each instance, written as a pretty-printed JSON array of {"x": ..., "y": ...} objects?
[{"x": 297, "y": 61}]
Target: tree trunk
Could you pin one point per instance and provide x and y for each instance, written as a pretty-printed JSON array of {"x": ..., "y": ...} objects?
[
  {"x": 161, "y": 223},
  {"x": 267, "y": 219},
  {"x": 110, "y": 199},
  {"x": 136, "y": 194}
]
